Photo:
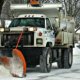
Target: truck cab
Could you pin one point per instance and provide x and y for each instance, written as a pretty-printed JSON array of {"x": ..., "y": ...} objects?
[{"x": 37, "y": 27}]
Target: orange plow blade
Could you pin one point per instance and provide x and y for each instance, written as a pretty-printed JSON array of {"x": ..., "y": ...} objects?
[{"x": 18, "y": 64}]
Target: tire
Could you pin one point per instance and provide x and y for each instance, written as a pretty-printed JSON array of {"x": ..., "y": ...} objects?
[
  {"x": 68, "y": 58},
  {"x": 60, "y": 62},
  {"x": 46, "y": 60}
]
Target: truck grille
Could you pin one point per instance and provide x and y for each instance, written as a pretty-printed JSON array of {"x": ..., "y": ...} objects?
[{"x": 11, "y": 39}]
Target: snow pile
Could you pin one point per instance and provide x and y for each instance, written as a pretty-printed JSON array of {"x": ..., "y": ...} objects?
[
  {"x": 4, "y": 71},
  {"x": 76, "y": 49}
]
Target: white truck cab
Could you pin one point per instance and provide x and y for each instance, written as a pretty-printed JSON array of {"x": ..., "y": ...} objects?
[{"x": 37, "y": 23}]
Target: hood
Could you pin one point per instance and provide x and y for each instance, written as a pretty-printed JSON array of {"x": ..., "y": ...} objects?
[{"x": 22, "y": 28}]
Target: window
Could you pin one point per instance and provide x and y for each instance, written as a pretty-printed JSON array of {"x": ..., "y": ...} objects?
[
  {"x": 48, "y": 24},
  {"x": 33, "y": 22}
]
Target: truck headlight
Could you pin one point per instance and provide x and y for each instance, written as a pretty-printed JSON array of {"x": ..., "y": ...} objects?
[
  {"x": 1, "y": 29},
  {"x": 39, "y": 41},
  {"x": 32, "y": 29}
]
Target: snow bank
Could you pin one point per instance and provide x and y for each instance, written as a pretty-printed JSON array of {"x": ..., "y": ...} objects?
[{"x": 76, "y": 49}]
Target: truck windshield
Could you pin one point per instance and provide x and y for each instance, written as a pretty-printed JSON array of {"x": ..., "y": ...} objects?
[{"x": 33, "y": 22}]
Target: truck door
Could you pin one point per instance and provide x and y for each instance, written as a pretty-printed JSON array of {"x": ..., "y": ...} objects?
[{"x": 50, "y": 31}]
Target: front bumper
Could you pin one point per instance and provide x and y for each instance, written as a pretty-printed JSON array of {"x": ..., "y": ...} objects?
[{"x": 31, "y": 54}]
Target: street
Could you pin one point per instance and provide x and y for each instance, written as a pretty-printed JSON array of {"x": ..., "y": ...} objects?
[{"x": 55, "y": 74}]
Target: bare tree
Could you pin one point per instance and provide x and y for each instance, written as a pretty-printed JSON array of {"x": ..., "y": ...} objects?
[
  {"x": 5, "y": 12},
  {"x": 1, "y": 3}
]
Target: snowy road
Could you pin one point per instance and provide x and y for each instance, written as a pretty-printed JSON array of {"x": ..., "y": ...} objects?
[{"x": 55, "y": 74}]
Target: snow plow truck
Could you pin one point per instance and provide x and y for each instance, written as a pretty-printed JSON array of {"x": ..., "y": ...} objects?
[{"x": 39, "y": 36}]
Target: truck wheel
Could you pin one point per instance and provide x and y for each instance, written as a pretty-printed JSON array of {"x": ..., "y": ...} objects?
[
  {"x": 60, "y": 62},
  {"x": 46, "y": 60},
  {"x": 68, "y": 58}
]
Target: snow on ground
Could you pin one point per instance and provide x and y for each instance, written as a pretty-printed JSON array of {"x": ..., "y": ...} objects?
[
  {"x": 76, "y": 49},
  {"x": 55, "y": 74}
]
